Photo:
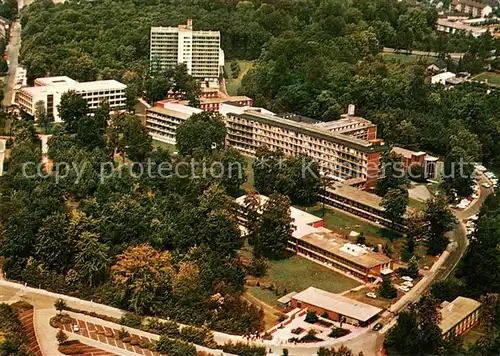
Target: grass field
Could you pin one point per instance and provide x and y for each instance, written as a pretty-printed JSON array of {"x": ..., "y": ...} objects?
[
  {"x": 408, "y": 58},
  {"x": 493, "y": 78},
  {"x": 296, "y": 274},
  {"x": 166, "y": 146},
  {"x": 233, "y": 84},
  {"x": 344, "y": 223}
]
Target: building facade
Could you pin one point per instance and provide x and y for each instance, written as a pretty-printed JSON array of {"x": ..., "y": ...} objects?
[
  {"x": 459, "y": 316},
  {"x": 50, "y": 90},
  {"x": 199, "y": 50},
  {"x": 337, "y": 307},
  {"x": 162, "y": 122},
  {"x": 471, "y": 8},
  {"x": 339, "y": 155},
  {"x": 420, "y": 158}
]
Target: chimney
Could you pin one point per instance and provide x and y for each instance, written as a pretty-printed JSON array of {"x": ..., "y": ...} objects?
[
  {"x": 350, "y": 110},
  {"x": 190, "y": 24}
]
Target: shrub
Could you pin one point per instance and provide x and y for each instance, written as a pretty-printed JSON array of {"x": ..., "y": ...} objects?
[
  {"x": 258, "y": 267},
  {"x": 200, "y": 336},
  {"x": 311, "y": 317},
  {"x": 339, "y": 332},
  {"x": 145, "y": 344},
  {"x": 127, "y": 339},
  {"x": 243, "y": 349},
  {"x": 168, "y": 328},
  {"x": 135, "y": 341},
  {"x": 310, "y": 337},
  {"x": 122, "y": 334},
  {"x": 61, "y": 337},
  {"x": 325, "y": 315},
  {"x": 131, "y": 320},
  {"x": 297, "y": 331},
  {"x": 173, "y": 347}
]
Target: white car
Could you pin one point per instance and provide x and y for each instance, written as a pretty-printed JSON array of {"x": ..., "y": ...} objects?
[
  {"x": 474, "y": 217},
  {"x": 76, "y": 328},
  {"x": 371, "y": 295},
  {"x": 486, "y": 185},
  {"x": 408, "y": 284},
  {"x": 475, "y": 196},
  {"x": 407, "y": 278},
  {"x": 404, "y": 288}
]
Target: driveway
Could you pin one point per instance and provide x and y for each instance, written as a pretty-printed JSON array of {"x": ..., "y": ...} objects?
[{"x": 13, "y": 53}]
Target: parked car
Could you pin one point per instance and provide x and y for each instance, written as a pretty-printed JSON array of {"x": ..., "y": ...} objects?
[
  {"x": 377, "y": 327},
  {"x": 404, "y": 288},
  {"x": 486, "y": 185},
  {"x": 408, "y": 284},
  {"x": 76, "y": 328},
  {"x": 407, "y": 278},
  {"x": 371, "y": 295}
]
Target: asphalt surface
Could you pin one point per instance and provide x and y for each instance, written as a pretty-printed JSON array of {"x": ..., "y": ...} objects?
[
  {"x": 458, "y": 235},
  {"x": 13, "y": 54}
]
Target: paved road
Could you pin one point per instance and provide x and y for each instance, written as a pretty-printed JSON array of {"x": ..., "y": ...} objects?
[
  {"x": 458, "y": 235},
  {"x": 422, "y": 53},
  {"x": 13, "y": 53}
]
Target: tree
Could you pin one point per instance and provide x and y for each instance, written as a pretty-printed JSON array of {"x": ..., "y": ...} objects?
[
  {"x": 311, "y": 317},
  {"x": 252, "y": 212},
  {"x": 203, "y": 132},
  {"x": 233, "y": 169},
  {"x": 92, "y": 259},
  {"x": 438, "y": 221},
  {"x": 386, "y": 289},
  {"x": 42, "y": 117},
  {"x": 128, "y": 136},
  {"x": 394, "y": 203},
  {"x": 414, "y": 230},
  {"x": 361, "y": 239},
  {"x": 412, "y": 269},
  {"x": 91, "y": 127},
  {"x": 61, "y": 337},
  {"x": 267, "y": 168},
  {"x": 60, "y": 305},
  {"x": 300, "y": 180},
  {"x": 480, "y": 267},
  {"x": 275, "y": 229},
  {"x": 144, "y": 273},
  {"x": 420, "y": 321},
  {"x": 72, "y": 110},
  {"x": 393, "y": 174},
  {"x": 448, "y": 289}
]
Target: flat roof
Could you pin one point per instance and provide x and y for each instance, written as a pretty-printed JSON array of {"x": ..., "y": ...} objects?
[
  {"x": 361, "y": 196},
  {"x": 343, "y": 122},
  {"x": 406, "y": 153},
  {"x": 337, "y": 303},
  {"x": 227, "y": 107},
  {"x": 175, "y": 110},
  {"x": 286, "y": 298},
  {"x": 204, "y": 100},
  {"x": 100, "y": 84},
  {"x": 454, "y": 312},
  {"x": 302, "y": 221},
  {"x": 60, "y": 80},
  {"x": 331, "y": 242},
  {"x": 314, "y": 130},
  {"x": 460, "y": 26}
]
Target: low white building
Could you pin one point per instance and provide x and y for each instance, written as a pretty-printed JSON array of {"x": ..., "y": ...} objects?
[
  {"x": 50, "y": 90},
  {"x": 441, "y": 78}
]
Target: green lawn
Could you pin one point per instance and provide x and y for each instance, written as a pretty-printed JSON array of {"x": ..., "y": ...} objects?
[
  {"x": 297, "y": 273},
  {"x": 166, "y": 146},
  {"x": 408, "y": 58},
  {"x": 344, "y": 223},
  {"x": 233, "y": 84},
  {"x": 493, "y": 78}
]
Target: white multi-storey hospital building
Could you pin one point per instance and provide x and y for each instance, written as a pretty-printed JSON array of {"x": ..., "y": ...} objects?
[{"x": 199, "y": 50}]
